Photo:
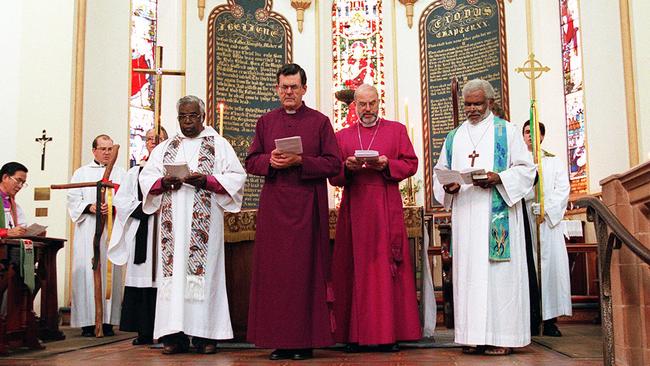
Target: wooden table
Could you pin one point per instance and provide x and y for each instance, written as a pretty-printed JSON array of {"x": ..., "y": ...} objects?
[{"x": 20, "y": 320}]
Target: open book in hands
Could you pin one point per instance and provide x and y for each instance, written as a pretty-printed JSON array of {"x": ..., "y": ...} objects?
[
  {"x": 35, "y": 230},
  {"x": 177, "y": 170},
  {"x": 465, "y": 176},
  {"x": 292, "y": 145},
  {"x": 366, "y": 155}
]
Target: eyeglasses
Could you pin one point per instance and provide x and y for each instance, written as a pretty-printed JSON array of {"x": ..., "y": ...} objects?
[
  {"x": 190, "y": 116},
  {"x": 285, "y": 88},
  {"x": 20, "y": 182}
]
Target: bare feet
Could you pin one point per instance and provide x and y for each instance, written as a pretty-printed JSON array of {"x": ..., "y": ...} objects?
[{"x": 498, "y": 351}]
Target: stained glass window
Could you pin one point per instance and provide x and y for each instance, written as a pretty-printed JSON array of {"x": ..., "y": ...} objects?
[
  {"x": 574, "y": 96},
  {"x": 357, "y": 52},
  {"x": 141, "y": 98},
  {"x": 357, "y": 56}
]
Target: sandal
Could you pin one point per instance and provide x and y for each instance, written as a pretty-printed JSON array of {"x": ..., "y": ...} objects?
[
  {"x": 498, "y": 351},
  {"x": 473, "y": 350}
]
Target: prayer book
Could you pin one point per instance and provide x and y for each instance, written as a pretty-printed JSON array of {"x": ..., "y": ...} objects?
[
  {"x": 366, "y": 155},
  {"x": 292, "y": 145},
  {"x": 465, "y": 176},
  {"x": 35, "y": 229},
  {"x": 177, "y": 170}
]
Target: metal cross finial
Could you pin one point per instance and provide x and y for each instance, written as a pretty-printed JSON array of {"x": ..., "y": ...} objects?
[
  {"x": 532, "y": 70},
  {"x": 43, "y": 140}
]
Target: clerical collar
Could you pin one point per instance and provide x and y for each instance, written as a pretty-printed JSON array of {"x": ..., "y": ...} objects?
[
  {"x": 368, "y": 125},
  {"x": 99, "y": 165},
  {"x": 294, "y": 111},
  {"x": 487, "y": 118}
]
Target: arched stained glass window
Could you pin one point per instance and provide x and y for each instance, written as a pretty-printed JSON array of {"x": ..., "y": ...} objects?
[
  {"x": 141, "y": 99},
  {"x": 574, "y": 96},
  {"x": 357, "y": 52}
]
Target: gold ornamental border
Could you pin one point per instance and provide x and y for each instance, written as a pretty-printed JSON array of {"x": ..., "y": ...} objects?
[
  {"x": 429, "y": 205},
  {"x": 241, "y": 226},
  {"x": 231, "y": 7}
]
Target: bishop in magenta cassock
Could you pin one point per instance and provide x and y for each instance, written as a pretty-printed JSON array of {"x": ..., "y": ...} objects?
[
  {"x": 291, "y": 296},
  {"x": 373, "y": 278}
]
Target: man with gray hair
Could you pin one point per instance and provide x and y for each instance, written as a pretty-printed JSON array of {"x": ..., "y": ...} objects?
[
  {"x": 372, "y": 274},
  {"x": 491, "y": 305},
  {"x": 191, "y": 180}
]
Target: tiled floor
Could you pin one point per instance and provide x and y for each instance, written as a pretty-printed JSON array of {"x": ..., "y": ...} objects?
[{"x": 122, "y": 353}]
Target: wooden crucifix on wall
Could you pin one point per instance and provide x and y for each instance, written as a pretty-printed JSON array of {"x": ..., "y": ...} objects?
[{"x": 43, "y": 140}]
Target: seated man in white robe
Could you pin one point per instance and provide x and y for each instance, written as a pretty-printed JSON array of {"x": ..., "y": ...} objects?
[
  {"x": 191, "y": 179},
  {"x": 556, "y": 281},
  {"x": 131, "y": 246},
  {"x": 82, "y": 209},
  {"x": 491, "y": 305}
]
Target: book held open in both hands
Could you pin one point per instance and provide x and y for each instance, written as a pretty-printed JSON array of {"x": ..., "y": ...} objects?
[
  {"x": 366, "y": 155},
  {"x": 292, "y": 145},
  {"x": 465, "y": 176},
  {"x": 178, "y": 170}
]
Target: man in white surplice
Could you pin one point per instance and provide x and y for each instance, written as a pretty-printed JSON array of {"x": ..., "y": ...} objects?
[
  {"x": 81, "y": 206},
  {"x": 556, "y": 280},
  {"x": 191, "y": 282},
  {"x": 491, "y": 305},
  {"x": 132, "y": 247}
]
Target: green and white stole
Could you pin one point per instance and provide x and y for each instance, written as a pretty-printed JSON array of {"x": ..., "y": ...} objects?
[
  {"x": 499, "y": 224},
  {"x": 197, "y": 253}
]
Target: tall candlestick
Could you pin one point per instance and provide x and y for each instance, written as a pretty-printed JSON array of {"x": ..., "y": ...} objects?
[
  {"x": 221, "y": 119},
  {"x": 406, "y": 115}
]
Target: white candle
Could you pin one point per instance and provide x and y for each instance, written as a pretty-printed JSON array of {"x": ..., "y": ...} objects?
[{"x": 221, "y": 118}]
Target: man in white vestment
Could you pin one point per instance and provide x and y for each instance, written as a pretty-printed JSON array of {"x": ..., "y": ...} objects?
[
  {"x": 131, "y": 246},
  {"x": 191, "y": 282},
  {"x": 82, "y": 209},
  {"x": 556, "y": 280},
  {"x": 491, "y": 305}
]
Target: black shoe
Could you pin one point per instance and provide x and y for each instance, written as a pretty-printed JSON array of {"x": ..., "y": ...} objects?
[
  {"x": 550, "y": 330},
  {"x": 108, "y": 330},
  {"x": 280, "y": 354},
  {"x": 352, "y": 348},
  {"x": 139, "y": 341},
  {"x": 88, "y": 331},
  {"x": 391, "y": 347},
  {"x": 302, "y": 354}
]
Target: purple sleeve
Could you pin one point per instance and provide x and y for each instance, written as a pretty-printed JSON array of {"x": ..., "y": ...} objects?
[
  {"x": 328, "y": 162},
  {"x": 213, "y": 185},
  {"x": 406, "y": 162},
  {"x": 258, "y": 161},
  {"x": 341, "y": 179},
  {"x": 157, "y": 188}
]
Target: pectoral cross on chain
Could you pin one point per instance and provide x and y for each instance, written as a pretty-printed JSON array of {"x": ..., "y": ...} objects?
[
  {"x": 473, "y": 156},
  {"x": 43, "y": 140}
]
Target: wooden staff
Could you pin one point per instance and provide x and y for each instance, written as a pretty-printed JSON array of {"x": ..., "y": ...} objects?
[
  {"x": 454, "y": 101},
  {"x": 99, "y": 229}
]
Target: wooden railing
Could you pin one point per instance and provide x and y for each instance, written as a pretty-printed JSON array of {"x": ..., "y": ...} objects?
[{"x": 611, "y": 234}]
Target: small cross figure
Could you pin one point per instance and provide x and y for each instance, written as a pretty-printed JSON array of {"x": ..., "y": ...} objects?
[
  {"x": 43, "y": 140},
  {"x": 473, "y": 156}
]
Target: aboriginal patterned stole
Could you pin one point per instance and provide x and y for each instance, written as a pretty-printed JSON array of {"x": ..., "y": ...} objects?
[
  {"x": 201, "y": 219},
  {"x": 499, "y": 224}
]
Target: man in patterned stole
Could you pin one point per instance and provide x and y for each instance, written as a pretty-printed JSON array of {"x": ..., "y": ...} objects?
[
  {"x": 191, "y": 299},
  {"x": 491, "y": 305}
]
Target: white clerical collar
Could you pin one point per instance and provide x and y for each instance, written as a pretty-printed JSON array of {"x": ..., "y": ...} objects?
[
  {"x": 368, "y": 125},
  {"x": 207, "y": 131},
  {"x": 96, "y": 164},
  {"x": 489, "y": 118}
]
